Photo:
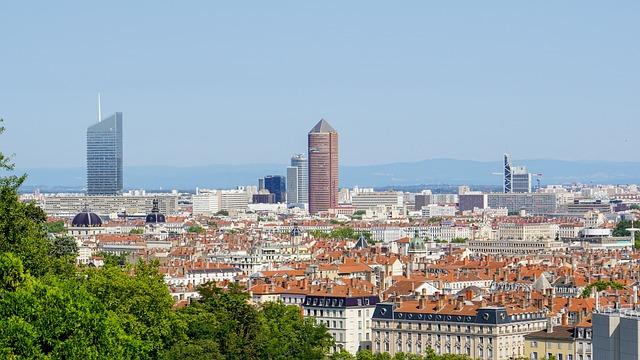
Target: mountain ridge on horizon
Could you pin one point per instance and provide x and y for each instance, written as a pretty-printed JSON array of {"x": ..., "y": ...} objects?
[{"x": 427, "y": 171}]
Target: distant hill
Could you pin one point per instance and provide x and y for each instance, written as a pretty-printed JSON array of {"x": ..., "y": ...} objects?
[{"x": 434, "y": 171}]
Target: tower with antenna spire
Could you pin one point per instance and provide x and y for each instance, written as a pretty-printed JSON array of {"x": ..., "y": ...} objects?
[{"x": 104, "y": 155}]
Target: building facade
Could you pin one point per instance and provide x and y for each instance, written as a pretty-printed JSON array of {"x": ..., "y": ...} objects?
[
  {"x": 323, "y": 167},
  {"x": 534, "y": 203},
  {"x": 276, "y": 185},
  {"x": 347, "y": 318},
  {"x": 104, "y": 156},
  {"x": 459, "y": 327},
  {"x": 298, "y": 180}
]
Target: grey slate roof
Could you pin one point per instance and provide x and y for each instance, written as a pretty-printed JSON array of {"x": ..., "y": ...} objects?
[{"x": 322, "y": 127}]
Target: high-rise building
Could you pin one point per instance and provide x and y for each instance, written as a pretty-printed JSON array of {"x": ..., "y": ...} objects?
[
  {"x": 520, "y": 180},
  {"x": 323, "y": 167},
  {"x": 298, "y": 180},
  {"x": 104, "y": 156},
  {"x": 516, "y": 178},
  {"x": 506, "y": 186},
  {"x": 277, "y": 186}
]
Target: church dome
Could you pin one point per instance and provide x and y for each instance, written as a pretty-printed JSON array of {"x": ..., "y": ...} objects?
[
  {"x": 417, "y": 244},
  {"x": 155, "y": 217},
  {"x": 86, "y": 219}
]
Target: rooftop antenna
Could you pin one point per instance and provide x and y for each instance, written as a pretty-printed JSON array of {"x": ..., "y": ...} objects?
[{"x": 99, "y": 109}]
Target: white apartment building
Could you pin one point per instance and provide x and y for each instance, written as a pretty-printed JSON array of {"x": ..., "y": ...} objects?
[
  {"x": 206, "y": 203},
  {"x": 197, "y": 277},
  {"x": 520, "y": 239},
  {"x": 373, "y": 199},
  {"x": 433, "y": 210},
  {"x": 234, "y": 199},
  {"x": 347, "y": 317}
]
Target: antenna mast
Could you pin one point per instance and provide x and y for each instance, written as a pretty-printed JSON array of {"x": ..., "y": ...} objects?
[{"x": 99, "y": 109}]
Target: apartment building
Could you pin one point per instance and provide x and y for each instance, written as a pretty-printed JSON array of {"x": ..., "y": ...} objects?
[
  {"x": 347, "y": 316},
  {"x": 454, "y": 326}
]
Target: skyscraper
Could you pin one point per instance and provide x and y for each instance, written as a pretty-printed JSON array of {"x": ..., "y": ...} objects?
[
  {"x": 298, "y": 180},
  {"x": 516, "y": 178},
  {"x": 323, "y": 167},
  {"x": 104, "y": 156},
  {"x": 507, "y": 174},
  {"x": 277, "y": 186}
]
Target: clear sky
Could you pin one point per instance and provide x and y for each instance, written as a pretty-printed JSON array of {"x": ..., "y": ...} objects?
[{"x": 243, "y": 81}]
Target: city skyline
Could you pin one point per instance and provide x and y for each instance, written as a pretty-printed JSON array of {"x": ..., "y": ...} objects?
[{"x": 476, "y": 80}]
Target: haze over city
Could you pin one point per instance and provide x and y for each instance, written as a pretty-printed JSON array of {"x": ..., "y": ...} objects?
[
  {"x": 213, "y": 83},
  {"x": 337, "y": 180}
]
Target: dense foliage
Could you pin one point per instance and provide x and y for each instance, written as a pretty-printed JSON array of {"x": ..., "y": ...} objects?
[
  {"x": 600, "y": 285},
  {"x": 341, "y": 233},
  {"x": 621, "y": 230}
]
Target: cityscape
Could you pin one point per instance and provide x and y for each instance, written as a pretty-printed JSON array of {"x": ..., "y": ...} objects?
[{"x": 292, "y": 261}]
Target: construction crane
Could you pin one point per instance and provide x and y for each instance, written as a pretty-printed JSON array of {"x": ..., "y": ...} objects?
[{"x": 538, "y": 178}]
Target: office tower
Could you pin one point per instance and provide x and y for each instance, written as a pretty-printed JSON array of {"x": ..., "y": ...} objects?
[
  {"x": 277, "y": 186},
  {"x": 323, "y": 167},
  {"x": 261, "y": 184},
  {"x": 507, "y": 174},
  {"x": 516, "y": 178},
  {"x": 104, "y": 156},
  {"x": 298, "y": 180},
  {"x": 520, "y": 180}
]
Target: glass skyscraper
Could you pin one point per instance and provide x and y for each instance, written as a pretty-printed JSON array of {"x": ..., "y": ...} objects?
[
  {"x": 276, "y": 185},
  {"x": 298, "y": 180},
  {"x": 104, "y": 156}
]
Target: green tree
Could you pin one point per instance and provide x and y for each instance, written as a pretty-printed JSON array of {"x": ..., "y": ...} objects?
[
  {"x": 342, "y": 355},
  {"x": 63, "y": 246},
  {"x": 138, "y": 295},
  {"x": 136, "y": 231},
  {"x": 11, "y": 272},
  {"x": 195, "y": 229},
  {"x": 621, "y": 230},
  {"x": 600, "y": 285},
  {"x": 285, "y": 334},
  {"x": 55, "y": 227}
]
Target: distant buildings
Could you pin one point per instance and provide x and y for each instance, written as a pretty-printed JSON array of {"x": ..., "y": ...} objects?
[
  {"x": 69, "y": 204},
  {"x": 516, "y": 178},
  {"x": 104, "y": 156},
  {"x": 535, "y": 203},
  {"x": 206, "y": 203},
  {"x": 373, "y": 199},
  {"x": 470, "y": 201},
  {"x": 277, "y": 186},
  {"x": 323, "y": 167},
  {"x": 298, "y": 180}
]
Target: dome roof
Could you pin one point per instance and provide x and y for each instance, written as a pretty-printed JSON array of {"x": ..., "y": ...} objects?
[
  {"x": 86, "y": 219},
  {"x": 155, "y": 216},
  {"x": 295, "y": 231},
  {"x": 417, "y": 244}
]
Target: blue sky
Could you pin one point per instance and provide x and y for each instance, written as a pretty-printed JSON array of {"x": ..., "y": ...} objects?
[{"x": 243, "y": 81}]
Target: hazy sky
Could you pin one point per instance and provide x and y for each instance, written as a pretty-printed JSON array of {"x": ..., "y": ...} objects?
[{"x": 243, "y": 82}]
